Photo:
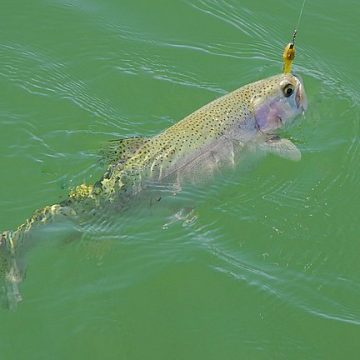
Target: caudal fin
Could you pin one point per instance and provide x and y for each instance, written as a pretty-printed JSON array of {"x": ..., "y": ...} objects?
[
  {"x": 12, "y": 249},
  {"x": 10, "y": 273}
]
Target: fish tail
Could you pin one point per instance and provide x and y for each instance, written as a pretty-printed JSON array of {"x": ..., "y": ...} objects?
[
  {"x": 10, "y": 271},
  {"x": 11, "y": 243}
]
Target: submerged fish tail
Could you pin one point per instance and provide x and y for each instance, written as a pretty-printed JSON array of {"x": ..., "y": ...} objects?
[
  {"x": 11, "y": 242},
  {"x": 10, "y": 272}
]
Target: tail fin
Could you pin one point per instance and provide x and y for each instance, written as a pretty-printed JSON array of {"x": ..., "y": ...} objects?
[
  {"x": 9, "y": 270},
  {"x": 11, "y": 273}
]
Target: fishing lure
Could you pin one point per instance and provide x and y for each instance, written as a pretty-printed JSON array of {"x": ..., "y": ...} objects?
[{"x": 289, "y": 55}]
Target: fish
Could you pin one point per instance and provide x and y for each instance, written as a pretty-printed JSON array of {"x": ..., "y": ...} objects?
[{"x": 199, "y": 144}]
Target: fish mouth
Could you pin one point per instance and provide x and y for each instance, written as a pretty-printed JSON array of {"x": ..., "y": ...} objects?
[{"x": 300, "y": 97}]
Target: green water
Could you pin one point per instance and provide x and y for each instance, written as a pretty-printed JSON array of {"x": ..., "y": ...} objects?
[{"x": 266, "y": 266}]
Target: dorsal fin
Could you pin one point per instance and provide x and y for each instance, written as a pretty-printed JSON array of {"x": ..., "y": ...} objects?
[{"x": 120, "y": 150}]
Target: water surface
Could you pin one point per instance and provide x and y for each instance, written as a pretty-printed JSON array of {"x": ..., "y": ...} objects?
[{"x": 266, "y": 264}]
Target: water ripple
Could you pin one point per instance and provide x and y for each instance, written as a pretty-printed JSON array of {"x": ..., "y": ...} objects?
[
  {"x": 40, "y": 75},
  {"x": 288, "y": 285}
]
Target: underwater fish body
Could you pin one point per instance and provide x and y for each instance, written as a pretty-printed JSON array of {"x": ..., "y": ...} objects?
[{"x": 203, "y": 141}]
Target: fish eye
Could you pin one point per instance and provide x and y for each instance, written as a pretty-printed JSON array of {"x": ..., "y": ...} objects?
[{"x": 288, "y": 90}]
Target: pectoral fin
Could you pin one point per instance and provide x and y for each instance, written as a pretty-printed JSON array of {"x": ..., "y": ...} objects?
[
  {"x": 121, "y": 150},
  {"x": 283, "y": 148}
]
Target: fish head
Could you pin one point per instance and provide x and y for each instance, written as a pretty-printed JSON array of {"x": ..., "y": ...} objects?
[{"x": 277, "y": 100}]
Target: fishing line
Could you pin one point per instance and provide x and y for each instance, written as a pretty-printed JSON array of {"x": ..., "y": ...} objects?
[{"x": 299, "y": 19}]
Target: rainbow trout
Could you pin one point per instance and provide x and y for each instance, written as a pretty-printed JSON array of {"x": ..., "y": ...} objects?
[{"x": 201, "y": 142}]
